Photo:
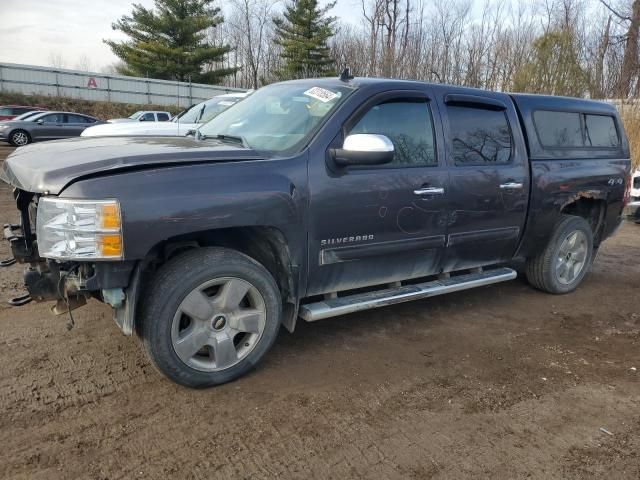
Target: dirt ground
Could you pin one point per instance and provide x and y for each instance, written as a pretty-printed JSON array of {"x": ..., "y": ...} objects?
[{"x": 497, "y": 382}]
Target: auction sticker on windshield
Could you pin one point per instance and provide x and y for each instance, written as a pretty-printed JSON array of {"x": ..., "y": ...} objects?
[{"x": 321, "y": 94}]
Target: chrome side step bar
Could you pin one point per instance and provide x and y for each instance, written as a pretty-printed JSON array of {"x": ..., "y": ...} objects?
[{"x": 332, "y": 307}]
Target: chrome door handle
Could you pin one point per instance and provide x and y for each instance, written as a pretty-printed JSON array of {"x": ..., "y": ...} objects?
[
  {"x": 429, "y": 191},
  {"x": 511, "y": 186}
]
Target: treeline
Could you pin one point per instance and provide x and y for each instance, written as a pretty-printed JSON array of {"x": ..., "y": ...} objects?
[{"x": 561, "y": 47}]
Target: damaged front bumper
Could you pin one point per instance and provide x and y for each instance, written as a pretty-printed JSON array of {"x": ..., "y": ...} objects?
[{"x": 71, "y": 283}]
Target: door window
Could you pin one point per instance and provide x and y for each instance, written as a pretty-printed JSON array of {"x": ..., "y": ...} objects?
[
  {"x": 52, "y": 118},
  {"x": 479, "y": 136},
  {"x": 408, "y": 124},
  {"x": 163, "y": 117},
  {"x": 75, "y": 119},
  {"x": 148, "y": 117}
]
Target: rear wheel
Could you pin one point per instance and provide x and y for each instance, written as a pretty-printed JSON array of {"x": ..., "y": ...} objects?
[
  {"x": 210, "y": 316},
  {"x": 18, "y": 138},
  {"x": 565, "y": 261}
]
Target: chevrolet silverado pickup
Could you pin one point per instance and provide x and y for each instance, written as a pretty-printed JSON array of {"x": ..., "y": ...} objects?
[{"x": 312, "y": 199}]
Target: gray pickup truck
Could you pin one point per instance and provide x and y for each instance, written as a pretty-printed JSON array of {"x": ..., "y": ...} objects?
[{"x": 312, "y": 199}]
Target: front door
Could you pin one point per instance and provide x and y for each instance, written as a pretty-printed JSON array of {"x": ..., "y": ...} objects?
[
  {"x": 380, "y": 224},
  {"x": 48, "y": 127},
  {"x": 489, "y": 178}
]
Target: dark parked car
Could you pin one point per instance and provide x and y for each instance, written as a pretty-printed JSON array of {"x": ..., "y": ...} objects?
[
  {"x": 311, "y": 199},
  {"x": 9, "y": 112},
  {"x": 45, "y": 126}
]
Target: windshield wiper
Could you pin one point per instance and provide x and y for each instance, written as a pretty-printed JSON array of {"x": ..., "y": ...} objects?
[{"x": 223, "y": 137}]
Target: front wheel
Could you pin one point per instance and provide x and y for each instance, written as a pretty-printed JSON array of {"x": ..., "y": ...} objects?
[
  {"x": 18, "y": 138},
  {"x": 566, "y": 259},
  {"x": 210, "y": 316}
]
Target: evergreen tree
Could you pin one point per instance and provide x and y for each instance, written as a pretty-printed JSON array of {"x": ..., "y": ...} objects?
[
  {"x": 303, "y": 32},
  {"x": 170, "y": 41}
]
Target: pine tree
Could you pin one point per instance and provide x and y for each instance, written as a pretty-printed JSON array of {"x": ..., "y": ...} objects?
[
  {"x": 170, "y": 41},
  {"x": 303, "y": 32}
]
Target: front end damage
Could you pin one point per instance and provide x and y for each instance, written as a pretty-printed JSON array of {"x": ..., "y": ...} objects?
[{"x": 68, "y": 283}]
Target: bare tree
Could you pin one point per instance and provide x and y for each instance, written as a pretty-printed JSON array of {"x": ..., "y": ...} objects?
[
  {"x": 56, "y": 60},
  {"x": 630, "y": 15},
  {"x": 252, "y": 22},
  {"x": 83, "y": 63}
]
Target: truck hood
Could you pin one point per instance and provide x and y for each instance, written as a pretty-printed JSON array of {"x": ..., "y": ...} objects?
[
  {"x": 51, "y": 166},
  {"x": 139, "y": 128}
]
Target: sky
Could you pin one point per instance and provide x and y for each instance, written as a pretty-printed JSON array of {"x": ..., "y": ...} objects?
[{"x": 35, "y": 31}]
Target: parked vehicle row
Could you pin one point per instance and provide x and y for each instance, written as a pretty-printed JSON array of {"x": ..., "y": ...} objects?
[
  {"x": 181, "y": 125},
  {"x": 33, "y": 125},
  {"x": 311, "y": 199}
]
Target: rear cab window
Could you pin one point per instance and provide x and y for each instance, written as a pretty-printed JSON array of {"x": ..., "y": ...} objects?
[
  {"x": 558, "y": 129},
  {"x": 600, "y": 131},
  {"x": 565, "y": 128}
]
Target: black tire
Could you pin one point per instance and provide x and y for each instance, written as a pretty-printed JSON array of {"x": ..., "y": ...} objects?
[
  {"x": 17, "y": 138},
  {"x": 542, "y": 271},
  {"x": 184, "y": 275}
]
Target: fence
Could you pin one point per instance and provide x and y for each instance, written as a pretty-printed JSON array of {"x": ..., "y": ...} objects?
[{"x": 32, "y": 80}]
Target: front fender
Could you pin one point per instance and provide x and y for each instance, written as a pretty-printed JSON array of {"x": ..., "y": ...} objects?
[{"x": 162, "y": 203}]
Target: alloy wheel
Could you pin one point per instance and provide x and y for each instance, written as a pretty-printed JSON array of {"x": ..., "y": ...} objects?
[
  {"x": 20, "y": 138},
  {"x": 572, "y": 257},
  {"x": 218, "y": 324}
]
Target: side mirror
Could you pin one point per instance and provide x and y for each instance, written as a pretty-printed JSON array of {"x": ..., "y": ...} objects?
[
  {"x": 192, "y": 133},
  {"x": 40, "y": 122},
  {"x": 364, "y": 149},
  {"x": 141, "y": 119}
]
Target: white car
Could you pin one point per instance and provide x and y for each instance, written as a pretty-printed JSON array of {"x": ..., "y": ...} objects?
[
  {"x": 144, "y": 116},
  {"x": 633, "y": 209},
  {"x": 181, "y": 125}
]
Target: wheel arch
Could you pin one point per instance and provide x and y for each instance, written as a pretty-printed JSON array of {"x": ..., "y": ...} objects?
[
  {"x": 593, "y": 209},
  {"x": 267, "y": 245}
]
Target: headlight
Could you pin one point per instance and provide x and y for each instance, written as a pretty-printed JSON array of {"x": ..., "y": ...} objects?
[{"x": 79, "y": 229}]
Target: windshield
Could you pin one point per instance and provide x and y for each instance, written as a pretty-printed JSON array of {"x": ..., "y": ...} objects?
[
  {"x": 205, "y": 111},
  {"x": 36, "y": 116},
  {"x": 26, "y": 115},
  {"x": 135, "y": 115},
  {"x": 279, "y": 117}
]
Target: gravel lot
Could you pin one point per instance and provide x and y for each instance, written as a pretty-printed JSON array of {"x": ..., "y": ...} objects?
[{"x": 497, "y": 382}]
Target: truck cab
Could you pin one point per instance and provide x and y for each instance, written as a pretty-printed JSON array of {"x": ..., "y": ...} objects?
[{"x": 311, "y": 199}]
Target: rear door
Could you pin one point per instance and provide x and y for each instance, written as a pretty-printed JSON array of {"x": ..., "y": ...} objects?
[
  {"x": 75, "y": 124},
  {"x": 489, "y": 179},
  {"x": 377, "y": 224}
]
